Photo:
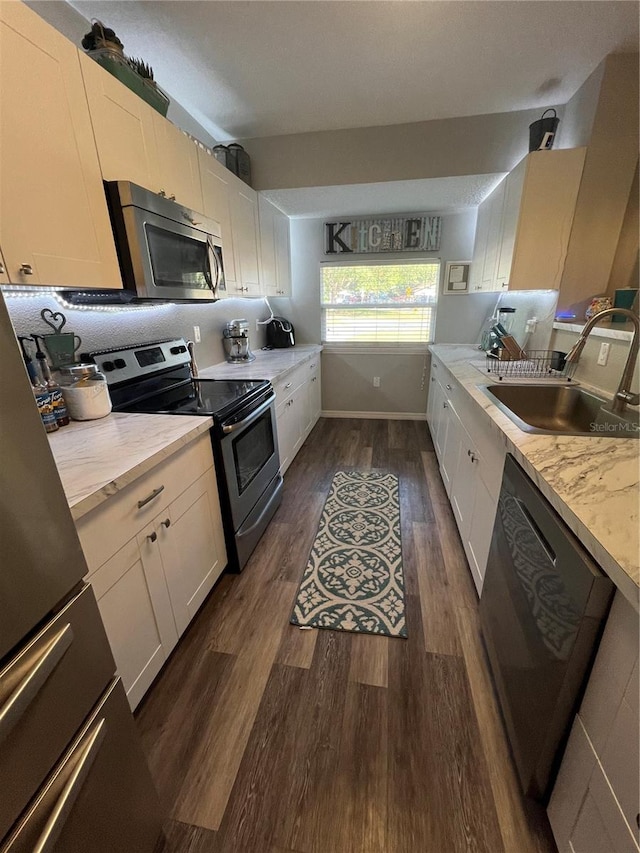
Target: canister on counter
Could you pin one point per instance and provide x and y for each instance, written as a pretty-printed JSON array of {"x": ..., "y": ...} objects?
[{"x": 85, "y": 392}]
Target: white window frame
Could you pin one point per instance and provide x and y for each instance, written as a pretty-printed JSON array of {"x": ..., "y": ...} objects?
[{"x": 413, "y": 346}]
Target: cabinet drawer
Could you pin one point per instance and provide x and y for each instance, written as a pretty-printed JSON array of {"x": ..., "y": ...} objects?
[
  {"x": 110, "y": 805},
  {"x": 289, "y": 382},
  {"x": 107, "y": 528},
  {"x": 601, "y": 825},
  {"x": 75, "y": 664}
]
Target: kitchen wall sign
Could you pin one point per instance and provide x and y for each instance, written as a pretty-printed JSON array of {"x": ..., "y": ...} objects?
[{"x": 391, "y": 234}]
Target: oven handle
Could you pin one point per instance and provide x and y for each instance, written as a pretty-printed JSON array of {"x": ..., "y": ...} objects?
[{"x": 227, "y": 429}]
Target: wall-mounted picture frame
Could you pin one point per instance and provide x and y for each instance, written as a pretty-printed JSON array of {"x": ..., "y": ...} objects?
[{"x": 456, "y": 277}]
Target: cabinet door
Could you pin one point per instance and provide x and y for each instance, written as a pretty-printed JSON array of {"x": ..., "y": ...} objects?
[
  {"x": 546, "y": 218},
  {"x": 192, "y": 547},
  {"x": 451, "y": 438},
  {"x": 55, "y": 227},
  {"x": 463, "y": 488},
  {"x": 283, "y": 254},
  {"x": 514, "y": 184},
  {"x": 4, "y": 278},
  {"x": 268, "y": 272},
  {"x": 122, "y": 127},
  {"x": 244, "y": 220},
  {"x": 490, "y": 264},
  {"x": 134, "y": 604},
  {"x": 286, "y": 424},
  {"x": 315, "y": 396},
  {"x": 480, "y": 532},
  {"x": 177, "y": 163},
  {"x": 480, "y": 245},
  {"x": 215, "y": 181}
]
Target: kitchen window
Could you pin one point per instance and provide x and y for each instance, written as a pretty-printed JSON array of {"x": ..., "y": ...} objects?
[{"x": 381, "y": 302}]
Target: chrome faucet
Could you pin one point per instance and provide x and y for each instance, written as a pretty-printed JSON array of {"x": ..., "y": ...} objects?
[{"x": 623, "y": 395}]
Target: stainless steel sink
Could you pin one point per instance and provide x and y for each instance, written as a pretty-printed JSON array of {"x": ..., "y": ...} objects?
[{"x": 561, "y": 410}]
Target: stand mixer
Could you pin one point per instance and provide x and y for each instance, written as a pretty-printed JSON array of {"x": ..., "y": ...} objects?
[{"x": 235, "y": 339}]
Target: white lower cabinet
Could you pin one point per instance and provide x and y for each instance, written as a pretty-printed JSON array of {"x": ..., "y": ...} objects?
[
  {"x": 154, "y": 550},
  {"x": 471, "y": 461},
  {"x": 595, "y": 802},
  {"x": 298, "y": 405}
]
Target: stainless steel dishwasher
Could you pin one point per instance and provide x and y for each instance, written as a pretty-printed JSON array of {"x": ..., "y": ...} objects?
[{"x": 542, "y": 609}]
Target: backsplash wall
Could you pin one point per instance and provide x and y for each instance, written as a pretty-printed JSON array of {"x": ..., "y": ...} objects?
[{"x": 105, "y": 328}]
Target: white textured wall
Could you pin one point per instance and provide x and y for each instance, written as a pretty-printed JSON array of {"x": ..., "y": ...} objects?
[{"x": 102, "y": 329}]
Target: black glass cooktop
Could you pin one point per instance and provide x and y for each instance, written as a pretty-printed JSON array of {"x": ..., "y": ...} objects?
[{"x": 218, "y": 398}]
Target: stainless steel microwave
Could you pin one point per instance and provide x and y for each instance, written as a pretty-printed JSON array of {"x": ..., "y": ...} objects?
[{"x": 166, "y": 251}]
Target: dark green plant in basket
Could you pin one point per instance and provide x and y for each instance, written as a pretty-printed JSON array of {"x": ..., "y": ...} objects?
[
  {"x": 141, "y": 68},
  {"x": 101, "y": 36}
]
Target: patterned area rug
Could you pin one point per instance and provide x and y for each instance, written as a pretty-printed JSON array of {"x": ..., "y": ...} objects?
[{"x": 353, "y": 580}]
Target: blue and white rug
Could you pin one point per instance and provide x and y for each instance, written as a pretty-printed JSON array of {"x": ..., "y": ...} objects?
[{"x": 353, "y": 580}]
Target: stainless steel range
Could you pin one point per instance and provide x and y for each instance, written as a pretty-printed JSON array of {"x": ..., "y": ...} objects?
[{"x": 156, "y": 378}]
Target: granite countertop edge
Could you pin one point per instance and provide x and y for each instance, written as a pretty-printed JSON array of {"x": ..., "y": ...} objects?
[{"x": 570, "y": 472}]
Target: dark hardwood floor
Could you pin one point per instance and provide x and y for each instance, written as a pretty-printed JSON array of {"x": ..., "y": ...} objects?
[{"x": 265, "y": 738}]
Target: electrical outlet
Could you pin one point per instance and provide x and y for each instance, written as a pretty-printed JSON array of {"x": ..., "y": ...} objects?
[
  {"x": 196, "y": 334},
  {"x": 603, "y": 355},
  {"x": 376, "y": 381}
]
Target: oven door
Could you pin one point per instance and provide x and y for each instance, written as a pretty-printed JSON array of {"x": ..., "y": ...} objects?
[
  {"x": 168, "y": 260},
  {"x": 250, "y": 457}
]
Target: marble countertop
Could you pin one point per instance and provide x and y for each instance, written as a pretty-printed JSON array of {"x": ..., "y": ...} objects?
[
  {"x": 591, "y": 482},
  {"x": 96, "y": 459},
  {"x": 268, "y": 364}
]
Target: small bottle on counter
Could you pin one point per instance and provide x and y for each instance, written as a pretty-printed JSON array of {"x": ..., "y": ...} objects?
[
  {"x": 57, "y": 400},
  {"x": 45, "y": 405}
]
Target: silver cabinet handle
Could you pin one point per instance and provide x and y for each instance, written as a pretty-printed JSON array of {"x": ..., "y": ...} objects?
[
  {"x": 172, "y": 197},
  {"x": 448, "y": 387},
  {"x": 162, "y": 193},
  {"x": 166, "y": 522},
  {"x": 314, "y": 378},
  {"x": 152, "y": 537},
  {"x": 433, "y": 378},
  {"x": 444, "y": 405},
  {"x": 154, "y": 494},
  {"x": 37, "y": 672},
  {"x": 26, "y": 269},
  {"x": 288, "y": 385},
  {"x": 80, "y": 761},
  {"x": 1, "y": 269}
]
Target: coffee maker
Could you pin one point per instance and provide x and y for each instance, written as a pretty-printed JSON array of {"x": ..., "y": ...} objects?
[{"x": 235, "y": 339}]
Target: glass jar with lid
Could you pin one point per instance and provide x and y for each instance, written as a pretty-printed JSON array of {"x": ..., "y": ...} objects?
[{"x": 85, "y": 391}]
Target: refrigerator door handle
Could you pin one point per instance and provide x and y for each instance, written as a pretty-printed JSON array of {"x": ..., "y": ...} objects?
[
  {"x": 31, "y": 681},
  {"x": 80, "y": 761}
]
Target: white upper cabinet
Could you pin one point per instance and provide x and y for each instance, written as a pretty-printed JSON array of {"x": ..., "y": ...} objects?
[
  {"x": 178, "y": 175},
  {"x": 283, "y": 254},
  {"x": 123, "y": 128},
  {"x": 216, "y": 181},
  {"x": 544, "y": 219},
  {"x": 244, "y": 222},
  {"x": 523, "y": 227},
  {"x": 275, "y": 250},
  {"x": 54, "y": 227}
]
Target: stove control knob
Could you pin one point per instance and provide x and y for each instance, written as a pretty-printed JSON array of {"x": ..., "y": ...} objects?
[
  {"x": 119, "y": 363},
  {"x": 108, "y": 366},
  {"x": 177, "y": 350}
]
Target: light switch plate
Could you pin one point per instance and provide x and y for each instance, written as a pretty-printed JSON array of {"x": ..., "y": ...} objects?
[
  {"x": 603, "y": 355},
  {"x": 196, "y": 334}
]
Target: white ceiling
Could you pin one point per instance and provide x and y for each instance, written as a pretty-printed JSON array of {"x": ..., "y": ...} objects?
[
  {"x": 266, "y": 68},
  {"x": 437, "y": 195},
  {"x": 269, "y": 67}
]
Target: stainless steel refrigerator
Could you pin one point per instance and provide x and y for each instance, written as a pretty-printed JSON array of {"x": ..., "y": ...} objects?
[{"x": 72, "y": 773}]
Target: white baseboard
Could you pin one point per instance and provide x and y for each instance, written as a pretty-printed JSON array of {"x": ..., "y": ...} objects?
[{"x": 377, "y": 416}]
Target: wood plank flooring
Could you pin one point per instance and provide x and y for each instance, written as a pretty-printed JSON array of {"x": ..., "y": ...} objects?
[{"x": 264, "y": 738}]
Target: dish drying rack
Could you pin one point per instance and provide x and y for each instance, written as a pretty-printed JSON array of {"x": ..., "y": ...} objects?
[{"x": 538, "y": 364}]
